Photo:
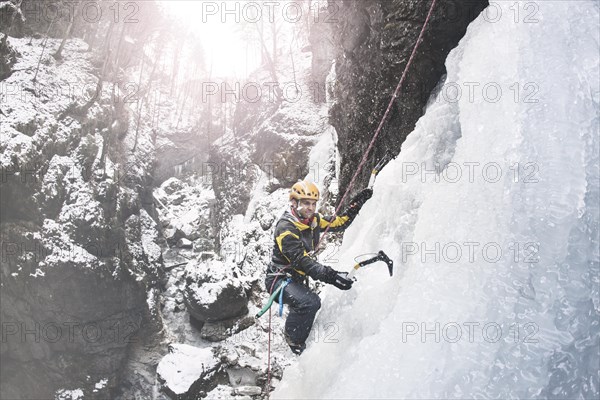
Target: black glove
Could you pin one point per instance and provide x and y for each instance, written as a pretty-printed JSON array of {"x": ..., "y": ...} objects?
[
  {"x": 338, "y": 279},
  {"x": 362, "y": 197},
  {"x": 342, "y": 282},
  {"x": 358, "y": 201}
]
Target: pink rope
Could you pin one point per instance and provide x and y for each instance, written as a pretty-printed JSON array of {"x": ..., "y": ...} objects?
[
  {"x": 268, "y": 388},
  {"x": 385, "y": 116}
]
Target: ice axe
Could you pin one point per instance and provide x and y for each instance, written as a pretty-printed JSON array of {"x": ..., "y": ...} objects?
[{"x": 381, "y": 256}]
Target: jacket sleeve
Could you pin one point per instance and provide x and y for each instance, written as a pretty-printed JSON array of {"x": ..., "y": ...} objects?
[
  {"x": 290, "y": 245},
  {"x": 339, "y": 223}
]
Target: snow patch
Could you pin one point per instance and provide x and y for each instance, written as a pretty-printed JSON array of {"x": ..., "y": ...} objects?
[{"x": 185, "y": 365}]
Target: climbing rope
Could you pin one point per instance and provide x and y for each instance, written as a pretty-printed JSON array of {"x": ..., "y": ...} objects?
[
  {"x": 268, "y": 385},
  {"x": 383, "y": 120}
]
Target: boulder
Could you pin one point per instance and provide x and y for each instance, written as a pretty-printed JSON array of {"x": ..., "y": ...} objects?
[
  {"x": 241, "y": 376},
  {"x": 221, "y": 330},
  {"x": 204, "y": 246},
  {"x": 172, "y": 235},
  {"x": 172, "y": 185},
  {"x": 247, "y": 391},
  {"x": 184, "y": 243},
  {"x": 212, "y": 293},
  {"x": 187, "y": 371},
  {"x": 192, "y": 232}
]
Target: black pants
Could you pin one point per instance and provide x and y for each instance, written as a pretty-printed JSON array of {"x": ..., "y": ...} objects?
[{"x": 303, "y": 305}]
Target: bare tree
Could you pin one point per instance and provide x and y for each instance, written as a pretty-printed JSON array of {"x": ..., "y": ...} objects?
[
  {"x": 58, "y": 54},
  {"x": 270, "y": 63},
  {"x": 106, "y": 54},
  {"x": 274, "y": 31},
  {"x": 44, "y": 44},
  {"x": 176, "y": 57},
  {"x": 140, "y": 106}
]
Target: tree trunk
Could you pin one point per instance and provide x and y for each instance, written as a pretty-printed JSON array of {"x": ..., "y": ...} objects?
[
  {"x": 140, "y": 107},
  {"x": 104, "y": 66},
  {"x": 118, "y": 54},
  {"x": 292, "y": 58},
  {"x": 274, "y": 39},
  {"x": 176, "y": 55},
  {"x": 116, "y": 62},
  {"x": 37, "y": 68},
  {"x": 270, "y": 64},
  {"x": 308, "y": 17},
  {"x": 58, "y": 54}
]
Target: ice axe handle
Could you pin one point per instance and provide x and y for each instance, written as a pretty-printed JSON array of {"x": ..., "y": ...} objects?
[
  {"x": 372, "y": 179},
  {"x": 354, "y": 269},
  {"x": 382, "y": 163}
]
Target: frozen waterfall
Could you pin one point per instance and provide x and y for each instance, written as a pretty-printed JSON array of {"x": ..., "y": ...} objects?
[{"x": 491, "y": 214}]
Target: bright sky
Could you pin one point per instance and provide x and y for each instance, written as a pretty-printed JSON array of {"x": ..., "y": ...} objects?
[{"x": 217, "y": 26}]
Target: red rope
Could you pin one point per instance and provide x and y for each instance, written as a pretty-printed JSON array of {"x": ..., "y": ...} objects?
[
  {"x": 385, "y": 116},
  {"x": 268, "y": 388}
]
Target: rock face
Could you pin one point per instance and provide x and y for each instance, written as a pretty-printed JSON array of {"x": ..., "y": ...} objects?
[
  {"x": 80, "y": 245},
  {"x": 323, "y": 52},
  {"x": 270, "y": 141},
  {"x": 373, "y": 41},
  {"x": 8, "y": 56},
  {"x": 178, "y": 154},
  {"x": 70, "y": 320}
]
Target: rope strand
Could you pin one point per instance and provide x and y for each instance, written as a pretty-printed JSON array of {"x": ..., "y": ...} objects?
[
  {"x": 268, "y": 386},
  {"x": 383, "y": 120}
]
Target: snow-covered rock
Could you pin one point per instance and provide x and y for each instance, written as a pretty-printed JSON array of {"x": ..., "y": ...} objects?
[
  {"x": 187, "y": 370},
  {"x": 247, "y": 390},
  {"x": 213, "y": 293},
  {"x": 172, "y": 185},
  {"x": 221, "y": 392},
  {"x": 187, "y": 211},
  {"x": 85, "y": 247},
  {"x": 217, "y": 331},
  {"x": 241, "y": 376},
  {"x": 184, "y": 243}
]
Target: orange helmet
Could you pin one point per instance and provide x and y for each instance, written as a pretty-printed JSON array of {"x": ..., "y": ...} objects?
[{"x": 304, "y": 190}]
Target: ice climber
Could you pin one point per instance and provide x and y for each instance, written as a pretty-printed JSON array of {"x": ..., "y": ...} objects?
[{"x": 296, "y": 235}]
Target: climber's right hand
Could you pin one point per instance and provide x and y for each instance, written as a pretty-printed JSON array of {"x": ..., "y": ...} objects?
[{"x": 339, "y": 279}]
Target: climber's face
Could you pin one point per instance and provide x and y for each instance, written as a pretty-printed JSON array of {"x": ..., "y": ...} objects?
[{"x": 307, "y": 208}]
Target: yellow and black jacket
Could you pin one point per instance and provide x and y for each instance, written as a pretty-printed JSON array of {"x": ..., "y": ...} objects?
[{"x": 294, "y": 240}]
